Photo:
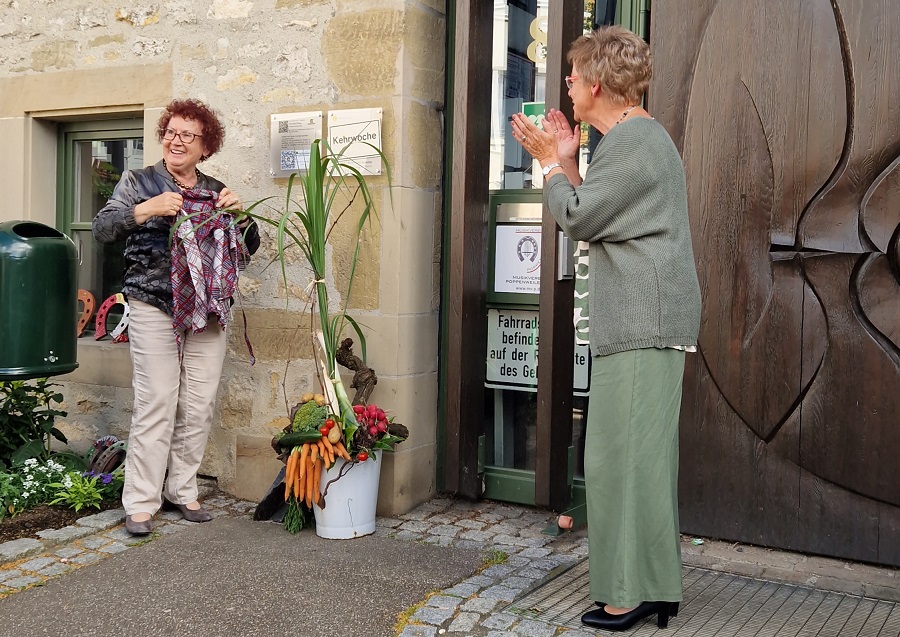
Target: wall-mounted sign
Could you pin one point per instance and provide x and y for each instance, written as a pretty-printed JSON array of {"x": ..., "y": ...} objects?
[
  {"x": 291, "y": 137},
  {"x": 512, "y": 352},
  {"x": 354, "y": 132},
  {"x": 517, "y": 259}
]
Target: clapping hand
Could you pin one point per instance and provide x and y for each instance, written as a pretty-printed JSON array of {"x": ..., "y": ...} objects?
[{"x": 568, "y": 139}]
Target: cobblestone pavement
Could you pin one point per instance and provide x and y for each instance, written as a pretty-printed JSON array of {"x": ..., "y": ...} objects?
[{"x": 518, "y": 557}]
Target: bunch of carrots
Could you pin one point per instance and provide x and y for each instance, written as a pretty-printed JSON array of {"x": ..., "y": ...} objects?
[{"x": 304, "y": 468}]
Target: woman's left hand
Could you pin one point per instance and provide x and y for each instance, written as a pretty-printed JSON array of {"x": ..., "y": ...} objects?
[
  {"x": 539, "y": 144},
  {"x": 228, "y": 200}
]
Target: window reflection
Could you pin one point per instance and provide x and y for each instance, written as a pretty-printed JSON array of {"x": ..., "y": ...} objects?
[
  {"x": 98, "y": 166},
  {"x": 518, "y": 85}
]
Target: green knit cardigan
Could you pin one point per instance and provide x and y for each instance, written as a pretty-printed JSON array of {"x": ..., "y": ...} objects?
[{"x": 632, "y": 209}]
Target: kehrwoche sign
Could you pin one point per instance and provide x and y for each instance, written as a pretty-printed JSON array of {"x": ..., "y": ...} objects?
[{"x": 512, "y": 352}]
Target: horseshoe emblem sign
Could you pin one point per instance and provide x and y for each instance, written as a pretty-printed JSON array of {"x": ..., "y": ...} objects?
[
  {"x": 87, "y": 311},
  {"x": 118, "y": 334}
]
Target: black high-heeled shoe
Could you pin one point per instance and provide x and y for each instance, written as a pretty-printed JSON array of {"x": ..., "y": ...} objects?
[
  {"x": 605, "y": 621},
  {"x": 673, "y": 608}
]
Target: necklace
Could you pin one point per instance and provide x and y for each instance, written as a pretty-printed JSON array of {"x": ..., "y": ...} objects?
[
  {"x": 625, "y": 114},
  {"x": 175, "y": 179}
]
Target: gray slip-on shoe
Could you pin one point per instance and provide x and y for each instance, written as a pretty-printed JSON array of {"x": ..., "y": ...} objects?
[
  {"x": 145, "y": 527},
  {"x": 191, "y": 515}
]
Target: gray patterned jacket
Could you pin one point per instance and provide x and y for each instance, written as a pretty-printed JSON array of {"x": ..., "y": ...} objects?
[{"x": 147, "y": 257}]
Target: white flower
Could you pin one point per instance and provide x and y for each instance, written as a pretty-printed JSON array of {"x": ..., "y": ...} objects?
[
  {"x": 31, "y": 462},
  {"x": 67, "y": 482}
]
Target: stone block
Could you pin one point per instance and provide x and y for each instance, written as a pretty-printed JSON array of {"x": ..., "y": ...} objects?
[
  {"x": 68, "y": 551},
  {"x": 115, "y": 547},
  {"x": 413, "y": 401},
  {"x": 8, "y": 575},
  {"x": 37, "y": 563},
  {"x": 236, "y": 397},
  {"x": 101, "y": 363},
  {"x": 229, "y": 9},
  {"x": 418, "y": 630},
  {"x": 400, "y": 345},
  {"x": 65, "y": 534},
  {"x": 429, "y": 615},
  {"x": 95, "y": 542},
  {"x": 55, "y": 569},
  {"x": 480, "y": 605},
  {"x": 103, "y": 520},
  {"x": 422, "y": 133},
  {"x": 407, "y": 479},
  {"x": 406, "y": 271},
  {"x": 235, "y": 78},
  {"x": 87, "y": 558},
  {"x": 17, "y": 549},
  {"x": 256, "y": 466},
  {"x": 277, "y": 334},
  {"x": 425, "y": 60},
  {"x": 499, "y": 620},
  {"x": 58, "y": 54},
  {"x": 876, "y": 591},
  {"x": 103, "y": 40},
  {"x": 361, "y": 51},
  {"x": 296, "y": 4},
  {"x": 464, "y": 623},
  {"x": 22, "y": 582}
]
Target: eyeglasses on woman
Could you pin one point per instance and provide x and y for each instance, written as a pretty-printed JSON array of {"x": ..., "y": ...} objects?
[{"x": 186, "y": 136}]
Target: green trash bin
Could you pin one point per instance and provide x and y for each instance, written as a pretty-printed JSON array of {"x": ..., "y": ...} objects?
[{"x": 38, "y": 301}]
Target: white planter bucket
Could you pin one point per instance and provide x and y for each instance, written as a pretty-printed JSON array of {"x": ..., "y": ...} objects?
[{"x": 350, "y": 504}]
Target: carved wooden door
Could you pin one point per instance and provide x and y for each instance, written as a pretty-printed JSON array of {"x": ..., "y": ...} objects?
[{"x": 788, "y": 118}]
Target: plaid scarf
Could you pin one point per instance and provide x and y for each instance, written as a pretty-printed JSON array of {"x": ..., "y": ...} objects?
[{"x": 208, "y": 254}]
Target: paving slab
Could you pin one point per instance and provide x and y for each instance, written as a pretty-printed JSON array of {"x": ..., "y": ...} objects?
[{"x": 238, "y": 577}]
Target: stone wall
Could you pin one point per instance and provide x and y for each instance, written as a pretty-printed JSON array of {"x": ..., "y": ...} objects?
[{"x": 62, "y": 60}]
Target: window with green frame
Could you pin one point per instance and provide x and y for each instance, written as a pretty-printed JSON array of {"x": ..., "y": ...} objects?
[{"x": 92, "y": 157}]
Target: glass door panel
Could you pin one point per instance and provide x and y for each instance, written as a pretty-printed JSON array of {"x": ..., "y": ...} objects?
[{"x": 92, "y": 161}]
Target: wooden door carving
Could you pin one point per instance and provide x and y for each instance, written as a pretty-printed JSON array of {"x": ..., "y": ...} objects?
[{"x": 788, "y": 118}]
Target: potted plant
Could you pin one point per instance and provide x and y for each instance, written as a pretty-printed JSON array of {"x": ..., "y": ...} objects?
[{"x": 330, "y": 446}]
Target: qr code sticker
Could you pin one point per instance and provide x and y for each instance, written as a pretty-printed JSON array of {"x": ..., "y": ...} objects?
[
  {"x": 283, "y": 126},
  {"x": 294, "y": 160}
]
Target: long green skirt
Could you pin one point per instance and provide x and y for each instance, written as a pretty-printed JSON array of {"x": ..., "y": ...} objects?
[{"x": 631, "y": 475}]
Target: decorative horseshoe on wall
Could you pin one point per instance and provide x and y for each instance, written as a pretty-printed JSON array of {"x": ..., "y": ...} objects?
[
  {"x": 118, "y": 334},
  {"x": 87, "y": 311}
]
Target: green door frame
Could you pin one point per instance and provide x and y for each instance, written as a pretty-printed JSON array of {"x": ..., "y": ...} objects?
[
  {"x": 72, "y": 132},
  {"x": 546, "y": 486}
]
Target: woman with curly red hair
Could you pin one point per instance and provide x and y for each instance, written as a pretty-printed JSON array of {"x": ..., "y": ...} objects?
[{"x": 185, "y": 243}]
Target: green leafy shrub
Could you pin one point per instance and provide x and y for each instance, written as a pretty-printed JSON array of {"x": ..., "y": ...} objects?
[
  {"x": 78, "y": 491},
  {"x": 34, "y": 484},
  {"x": 27, "y": 419},
  {"x": 109, "y": 484},
  {"x": 10, "y": 492}
]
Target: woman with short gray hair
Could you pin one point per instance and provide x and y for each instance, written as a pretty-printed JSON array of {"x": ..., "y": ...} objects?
[{"x": 643, "y": 315}]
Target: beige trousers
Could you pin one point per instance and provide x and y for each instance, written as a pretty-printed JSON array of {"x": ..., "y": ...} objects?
[{"x": 173, "y": 408}]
